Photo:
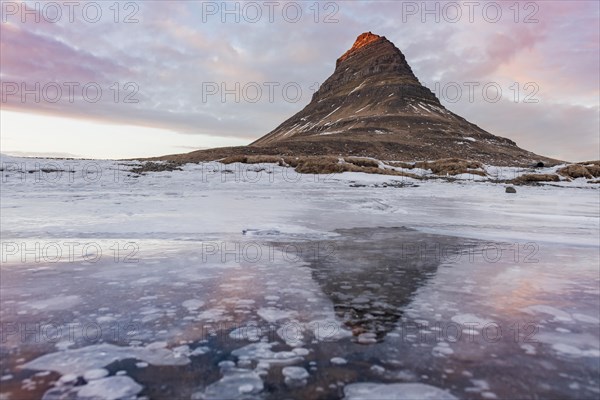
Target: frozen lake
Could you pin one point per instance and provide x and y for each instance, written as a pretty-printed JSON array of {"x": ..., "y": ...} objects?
[{"x": 248, "y": 281}]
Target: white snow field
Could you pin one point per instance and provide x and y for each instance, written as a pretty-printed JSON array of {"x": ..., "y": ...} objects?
[{"x": 251, "y": 281}]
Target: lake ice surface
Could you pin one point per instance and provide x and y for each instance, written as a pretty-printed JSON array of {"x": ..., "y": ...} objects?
[{"x": 232, "y": 282}]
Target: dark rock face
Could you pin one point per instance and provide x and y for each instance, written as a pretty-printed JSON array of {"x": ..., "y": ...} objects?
[
  {"x": 374, "y": 105},
  {"x": 371, "y": 83},
  {"x": 511, "y": 189},
  {"x": 374, "y": 62}
]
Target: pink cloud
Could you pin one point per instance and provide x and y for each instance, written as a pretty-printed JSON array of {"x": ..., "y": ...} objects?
[{"x": 171, "y": 52}]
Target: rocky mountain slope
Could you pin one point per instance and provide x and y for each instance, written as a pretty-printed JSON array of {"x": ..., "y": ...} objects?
[{"x": 374, "y": 106}]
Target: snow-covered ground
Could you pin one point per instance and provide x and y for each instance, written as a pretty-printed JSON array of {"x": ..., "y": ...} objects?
[{"x": 225, "y": 281}]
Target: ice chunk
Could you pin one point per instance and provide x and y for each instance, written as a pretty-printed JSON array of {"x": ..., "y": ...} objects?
[
  {"x": 213, "y": 314},
  {"x": 94, "y": 374},
  {"x": 301, "y": 351},
  {"x": 192, "y": 304},
  {"x": 292, "y": 334},
  {"x": 111, "y": 388},
  {"x": 529, "y": 349},
  {"x": 251, "y": 333},
  {"x": 470, "y": 320},
  {"x": 68, "y": 379},
  {"x": 338, "y": 361},
  {"x": 271, "y": 314},
  {"x": 570, "y": 350},
  {"x": 367, "y": 338},
  {"x": 78, "y": 361},
  {"x": 198, "y": 351},
  {"x": 558, "y": 315},
  {"x": 226, "y": 364},
  {"x": 295, "y": 373},
  {"x": 6, "y": 377},
  {"x": 235, "y": 384},
  {"x": 295, "y": 376},
  {"x": 328, "y": 330},
  {"x": 395, "y": 391},
  {"x": 378, "y": 369},
  {"x": 246, "y": 388},
  {"x": 56, "y": 303},
  {"x": 442, "y": 349},
  {"x": 586, "y": 318},
  {"x": 156, "y": 345},
  {"x": 262, "y": 352}
]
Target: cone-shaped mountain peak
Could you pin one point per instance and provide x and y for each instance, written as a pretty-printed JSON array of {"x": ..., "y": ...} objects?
[
  {"x": 372, "y": 83},
  {"x": 374, "y": 105}
]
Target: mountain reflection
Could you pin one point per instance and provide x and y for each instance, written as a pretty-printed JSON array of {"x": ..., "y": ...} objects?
[{"x": 371, "y": 274}]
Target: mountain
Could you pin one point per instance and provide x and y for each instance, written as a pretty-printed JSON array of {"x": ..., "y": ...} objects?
[
  {"x": 373, "y": 105},
  {"x": 373, "y": 91}
]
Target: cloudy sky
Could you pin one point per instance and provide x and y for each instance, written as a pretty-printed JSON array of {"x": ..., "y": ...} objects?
[{"x": 133, "y": 79}]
